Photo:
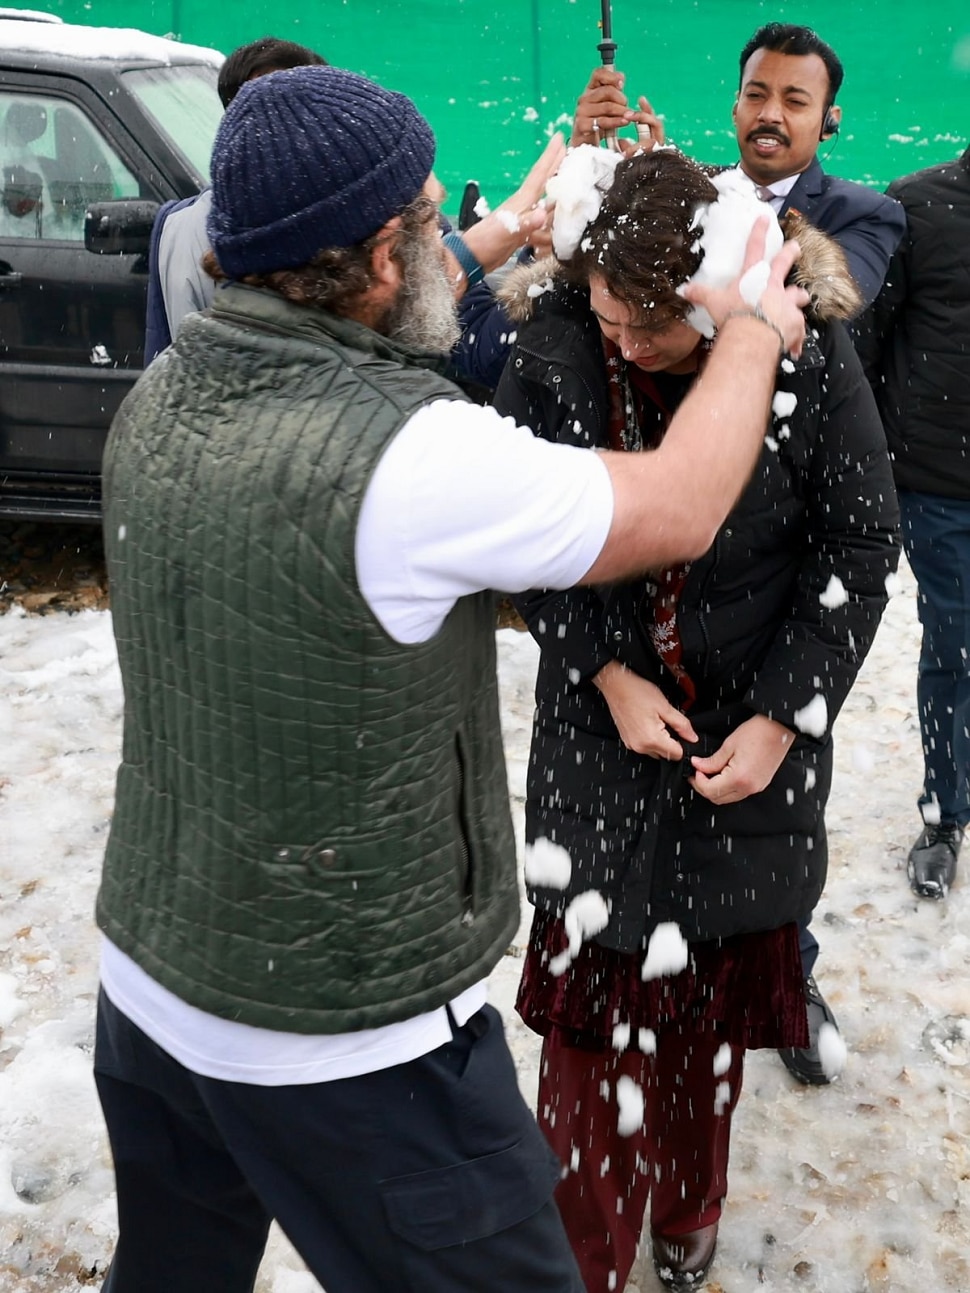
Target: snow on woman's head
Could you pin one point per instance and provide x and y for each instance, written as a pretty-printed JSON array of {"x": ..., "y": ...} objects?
[
  {"x": 640, "y": 240},
  {"x": 578, "y": 189},
  {"x": 722, "y": 228}
]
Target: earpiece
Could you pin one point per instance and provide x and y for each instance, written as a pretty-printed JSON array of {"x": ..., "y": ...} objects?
[{"x": 830, "y": 126}]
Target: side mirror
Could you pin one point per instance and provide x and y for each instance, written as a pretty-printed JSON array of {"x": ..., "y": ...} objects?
[{"x": 119, "y": 228}]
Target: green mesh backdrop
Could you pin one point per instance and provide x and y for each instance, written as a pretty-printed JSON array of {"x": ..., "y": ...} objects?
[{"x": 494, "y": 77}]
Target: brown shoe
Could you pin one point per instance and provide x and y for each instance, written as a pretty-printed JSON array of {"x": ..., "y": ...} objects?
[{"x": 682, "y": 1261}]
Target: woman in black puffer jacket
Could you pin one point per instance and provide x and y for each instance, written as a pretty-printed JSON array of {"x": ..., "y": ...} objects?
[{"x": 682, "y": 749}]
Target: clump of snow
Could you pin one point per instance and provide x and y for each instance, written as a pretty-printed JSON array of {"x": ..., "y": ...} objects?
[
  {"x": 832, "y": 1051},
  {"x": 583, "y": 179},
  {"x": 722, "y": 1060},
  {"x": 621, "y": 1037},
  {"x": 893, "y": 585},
  {"x": 667, "y": 952},
  {"x": 547, "y": 865},
  {"x": 783, "y": 404},
  {"x": 629, "y": 1099},
  {"x": 725, "y": 225},
  {"x": 508, "y": 218},
  {"x": 537, "y": 289},
  {"x": 834, "y": 595},
  {"x": 647, "y": 1041},
  {"x": 813, "y": 719},
  {"x": 930, "y": 811},
  {"x": 754, "y": 281},
  {"x": 722, "y": 1097},
  {"x": 585, "y": 916}
]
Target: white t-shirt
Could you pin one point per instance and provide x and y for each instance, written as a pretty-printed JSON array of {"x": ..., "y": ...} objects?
[{"x": 461, "y": 500}]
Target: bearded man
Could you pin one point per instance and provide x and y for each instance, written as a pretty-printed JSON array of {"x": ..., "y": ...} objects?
[{"x": 311, "y": 867}]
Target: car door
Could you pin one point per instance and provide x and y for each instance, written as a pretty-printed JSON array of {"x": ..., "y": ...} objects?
[{"x": 71, "y": 321}]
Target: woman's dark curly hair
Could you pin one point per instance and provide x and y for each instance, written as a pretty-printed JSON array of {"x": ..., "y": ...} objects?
[{"x": 641, "y": 243}]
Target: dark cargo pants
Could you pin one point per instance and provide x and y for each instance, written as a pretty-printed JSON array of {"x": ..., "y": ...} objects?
[{"x": 427, "y": 1177}]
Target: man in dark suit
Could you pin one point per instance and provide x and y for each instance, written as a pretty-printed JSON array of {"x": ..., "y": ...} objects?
[{"x": 785, "y": 106}]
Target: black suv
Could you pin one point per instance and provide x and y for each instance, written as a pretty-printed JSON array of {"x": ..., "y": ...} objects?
[{"x": 98, "y": 126}]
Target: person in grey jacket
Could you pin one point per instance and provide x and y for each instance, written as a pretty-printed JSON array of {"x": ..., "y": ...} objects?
[
  {"x": 177, "y": 283},
  {"x": 915, "y": 342}
]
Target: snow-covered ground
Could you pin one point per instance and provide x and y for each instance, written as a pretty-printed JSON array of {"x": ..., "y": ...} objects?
[{"x": 862, "y": 1187}]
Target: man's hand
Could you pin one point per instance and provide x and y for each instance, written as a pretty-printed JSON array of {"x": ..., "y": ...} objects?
[
  {"x": 642, "y": 713},
  {"x": 782, "y": 306},
  {"x": 512, "y": 225},
  {"x": 746, "y": 762},
  {"x": 603, "y": 108}
]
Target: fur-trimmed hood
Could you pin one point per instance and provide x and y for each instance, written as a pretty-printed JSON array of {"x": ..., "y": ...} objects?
[{"x": 822, "y": 270}]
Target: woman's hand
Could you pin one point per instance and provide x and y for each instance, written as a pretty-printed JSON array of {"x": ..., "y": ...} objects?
[
  {"x": 644, "y": 717},
  {"x": 746, "y": 762}
]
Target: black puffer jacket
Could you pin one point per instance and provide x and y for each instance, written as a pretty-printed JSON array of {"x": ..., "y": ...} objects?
[
  {"x": 915, "y": 339},
  {"x": 756, "y": 638}
]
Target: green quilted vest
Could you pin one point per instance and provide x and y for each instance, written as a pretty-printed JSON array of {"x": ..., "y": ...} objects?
[{"x": 311, "y": 830}]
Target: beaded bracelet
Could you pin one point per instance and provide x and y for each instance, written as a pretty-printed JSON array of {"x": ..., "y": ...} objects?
[
  {"x": 465, "y": 257},
  {"x": 756, "y": 312}
]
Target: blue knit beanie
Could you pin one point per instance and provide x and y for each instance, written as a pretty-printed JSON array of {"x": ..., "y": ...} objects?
[{"x": 308, "y": 158}]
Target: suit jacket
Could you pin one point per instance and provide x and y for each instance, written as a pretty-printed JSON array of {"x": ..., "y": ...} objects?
[{"x": 867, "y": 225}]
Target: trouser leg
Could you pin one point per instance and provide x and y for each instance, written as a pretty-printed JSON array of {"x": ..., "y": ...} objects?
[
  {"x": 695, "y": 1087},
  {"x": 606, "y": 1177},
  {"x": 807, "y": 946},
  {"x": 426, "y": 1177},
  {"x": 936, "y": 537},
  {"x": 187, "y": 1218},
  {"x": 678, "y": 1158}
]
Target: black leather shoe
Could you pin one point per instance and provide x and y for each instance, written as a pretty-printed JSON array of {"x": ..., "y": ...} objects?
[
  {"x": 805, "y": 1063},
  {"x": 932, "y": 864},
  {"x": 682, "y": 1261}
]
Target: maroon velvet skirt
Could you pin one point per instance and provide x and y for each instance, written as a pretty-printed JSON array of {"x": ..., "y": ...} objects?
[{"x": 751, "y": 985}]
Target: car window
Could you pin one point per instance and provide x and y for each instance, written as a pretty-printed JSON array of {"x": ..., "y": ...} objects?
[
  {"x": 184, "y": 105},
  {"x": 54, "y": 162}
]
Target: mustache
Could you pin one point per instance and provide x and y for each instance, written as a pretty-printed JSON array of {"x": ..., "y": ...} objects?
[{"x": 767, "y": 132}]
